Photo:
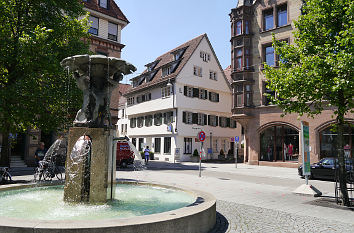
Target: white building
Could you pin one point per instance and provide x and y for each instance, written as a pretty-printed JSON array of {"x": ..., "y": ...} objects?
[{"x": 181, "y": 93}]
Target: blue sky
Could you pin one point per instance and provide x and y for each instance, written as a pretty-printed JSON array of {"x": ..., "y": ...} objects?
[{"x": 157, "y": 26}]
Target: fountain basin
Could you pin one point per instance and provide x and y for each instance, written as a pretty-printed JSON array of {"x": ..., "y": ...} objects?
[{"x": 199, "y": 216}]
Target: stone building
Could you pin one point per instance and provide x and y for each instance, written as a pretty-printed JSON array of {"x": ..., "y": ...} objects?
[{"x": 270, "y": 139}]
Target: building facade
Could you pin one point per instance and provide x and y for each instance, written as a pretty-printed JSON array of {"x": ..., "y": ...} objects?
[
  {"x": 181, "y": 93},
  {"x": 269, "y": 138},
  {"x": 107, "y": 21}
]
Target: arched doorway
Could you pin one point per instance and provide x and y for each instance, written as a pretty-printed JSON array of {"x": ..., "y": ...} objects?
[
  {"x": 328, "y": 140},
  {"x": 279, "y": 143}
]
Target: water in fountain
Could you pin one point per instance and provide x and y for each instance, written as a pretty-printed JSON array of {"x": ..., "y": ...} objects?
[{"x": 139, "y": 163}]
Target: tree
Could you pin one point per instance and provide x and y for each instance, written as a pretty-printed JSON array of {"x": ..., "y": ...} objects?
[
  {"x": 35, "y": 92},
  {"x": 317, "y": 71}
]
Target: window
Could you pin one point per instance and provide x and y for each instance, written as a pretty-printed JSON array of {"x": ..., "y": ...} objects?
[
  {"x": 165, "y": 92},
  {"x": 132, "y": 122},
  {"x": 158, "y": 119},
  {"x": 248, "y": 95},
  {"x": 112, "y": 31},
  {"x": 168, "y": 117},
  {"x": 213, "y": 75},
  {"x": 188, "y": 145},
  {"x": 148, "y": 120},
  {"x": 203, "y": 94},
  {"x": 213, "y": 120},
  {"x": 215, "y": 145},
  {"x": 157, "y": 145},
  {"x": 238, "y": 28},
  {"x": 222, "y": 122},
  {"x": 103, "y": 3},
  {"x": 233, "y": 124},
  {"x": 167, "y": 145},
  {"x": 202, "y": 119},
  {"x": 187, "y": 117},
  {"x": 166, "y": 71},
  {"x": 130, "y": 101},
  {"x": 94, "y": 25},
  {"x": 140, "y": 122},
  {"x": 197, "y": 71},
  {"x": 188, "y": 91},
  {"x": 269, "y": 93},
  {"x": 213, "y": 97},
  {"x": 141, "y": 144},
  {"x": 247, "y": 27},
  {"x": 239, "y": 59},
  {"x": 268, "y": 20},
  {"x": 282, "y": 15},
  {"x": 204, "y": 56},
  {"x": 269, "y": 55}
]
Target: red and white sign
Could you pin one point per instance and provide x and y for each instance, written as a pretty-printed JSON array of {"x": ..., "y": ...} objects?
[{"x": 201, "y": 136}]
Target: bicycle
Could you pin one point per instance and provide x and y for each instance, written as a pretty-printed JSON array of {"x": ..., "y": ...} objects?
[
  {"x": 5, "y": 175},
  {"x": 47, "y": 170}
]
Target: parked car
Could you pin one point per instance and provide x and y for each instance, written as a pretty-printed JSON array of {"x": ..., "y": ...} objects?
[
  {"x": 124, "y": 155},
  {"x": 325, "y": 169}
]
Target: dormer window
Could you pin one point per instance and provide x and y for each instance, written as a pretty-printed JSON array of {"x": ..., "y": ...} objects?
[
  {"x": 103, "y": 3},
  {"x": 94, "y": 25},
  {"x": 112, "y": 31},
  {"x": 166, "y": 71}
]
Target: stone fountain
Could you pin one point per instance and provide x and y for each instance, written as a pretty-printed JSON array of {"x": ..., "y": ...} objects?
[{"x": 90, "y": 166}]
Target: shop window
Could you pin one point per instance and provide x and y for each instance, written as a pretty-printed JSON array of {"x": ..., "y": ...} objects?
[
  {"x": 141, "y": 144},
  {"x": 328, "y": 141},
  {"x": 187, "y": 145},
  {"x": 167, "y": 145},
  {"x": 279, "y": 143},
  {"x": 157, "y": 145}
]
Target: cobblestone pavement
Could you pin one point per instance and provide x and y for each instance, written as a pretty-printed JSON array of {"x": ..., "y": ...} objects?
[{"x": 233, "y": 217}]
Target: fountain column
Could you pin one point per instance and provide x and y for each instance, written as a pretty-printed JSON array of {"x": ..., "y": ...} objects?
[{"x": 91, "y": 163}]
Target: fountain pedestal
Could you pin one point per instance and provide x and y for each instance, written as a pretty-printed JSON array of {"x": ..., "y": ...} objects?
[{"x": 90, "y": 179}]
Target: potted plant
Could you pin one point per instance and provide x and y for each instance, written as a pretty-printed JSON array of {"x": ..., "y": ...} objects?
[{"x": 195, "y": 156}]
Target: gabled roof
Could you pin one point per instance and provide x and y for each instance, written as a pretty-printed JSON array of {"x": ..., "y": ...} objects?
[
  {"x": 164, "y": 60},
  {"x": 113, "y": 9}
]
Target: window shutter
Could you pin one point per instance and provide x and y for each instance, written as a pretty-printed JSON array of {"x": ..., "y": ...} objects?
[
  {"x": 184, "y": 117},
  {"x": 217, "y": 121},
  {"x": 210, "y": 96},
  {"x": 149, "y": 96},
  {"x": 195, "y": 92},
  {"x": 165, "y": 118},
  {"x": 205, "y": 119},
  {"x": 228, "y": 122},
  {"x": 205, "y": 94},
  {"x": 195, "y": 118},
  {"x": 217, "y": 97},
  {"x": 185, "y": 90},
  {"x": 209, "y": 120}
]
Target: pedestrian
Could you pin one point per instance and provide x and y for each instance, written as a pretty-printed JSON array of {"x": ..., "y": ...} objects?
[
  {"x": 147, "y": 154},
  {"x": 40, "y": 153}
]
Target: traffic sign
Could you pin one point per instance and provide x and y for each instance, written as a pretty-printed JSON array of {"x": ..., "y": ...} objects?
[
  {"x": 201, "y": 136},
  {"x": 237, "y": 139}
]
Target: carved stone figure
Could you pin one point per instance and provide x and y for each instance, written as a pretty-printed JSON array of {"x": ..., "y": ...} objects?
[{"x": 97, "y": 76}]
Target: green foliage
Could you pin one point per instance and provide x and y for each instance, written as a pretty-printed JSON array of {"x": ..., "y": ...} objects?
[
  {"x": 34, "y": 37},
  {"x": 195, "y": 153},
  {"x": 317, "y": 71}
]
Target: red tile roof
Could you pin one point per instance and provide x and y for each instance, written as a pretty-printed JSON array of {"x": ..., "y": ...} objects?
[
  {"x": 113, "y": 9},
  {"x": 164, "y": 60},
  {"x": 227, "y": 73}
]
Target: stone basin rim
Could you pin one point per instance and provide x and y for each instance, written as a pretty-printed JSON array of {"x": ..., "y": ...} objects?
[{"x": 185, "y": 213}]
